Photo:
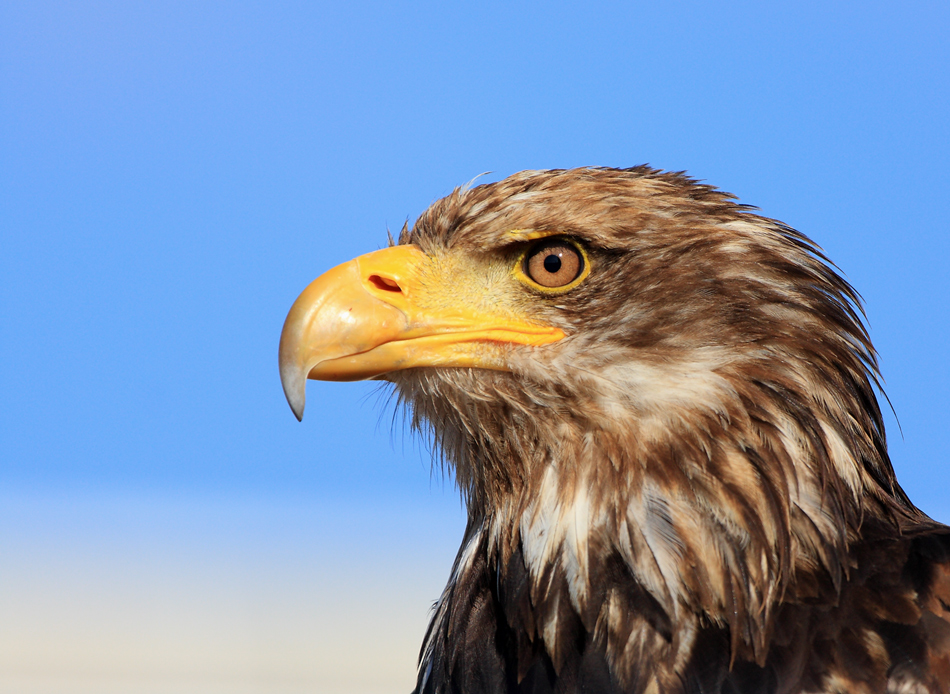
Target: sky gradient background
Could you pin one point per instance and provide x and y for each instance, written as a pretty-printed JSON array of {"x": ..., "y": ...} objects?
[{"x": 173, "y": 174}]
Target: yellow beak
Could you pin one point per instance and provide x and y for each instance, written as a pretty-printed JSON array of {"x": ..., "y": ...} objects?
[{"x": 390, "y": 310}]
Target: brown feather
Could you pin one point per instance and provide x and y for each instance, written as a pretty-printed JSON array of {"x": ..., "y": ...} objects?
[{"x": 691, "y": 492}]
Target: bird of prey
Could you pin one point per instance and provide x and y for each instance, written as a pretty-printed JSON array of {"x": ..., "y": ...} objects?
[{"x": 660, "y": 409}]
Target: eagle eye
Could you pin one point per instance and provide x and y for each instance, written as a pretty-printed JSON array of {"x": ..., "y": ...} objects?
[{"x": 554, "y": 263}]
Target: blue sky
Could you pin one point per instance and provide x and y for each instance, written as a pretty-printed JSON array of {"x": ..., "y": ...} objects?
[{"x": 173, "y": 174}]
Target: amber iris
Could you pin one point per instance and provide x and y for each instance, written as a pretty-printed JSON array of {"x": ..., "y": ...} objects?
[{"x": 554, "y": 263}]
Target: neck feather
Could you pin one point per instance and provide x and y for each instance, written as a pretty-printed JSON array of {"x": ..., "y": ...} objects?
[{"x": 626, "y": 527}]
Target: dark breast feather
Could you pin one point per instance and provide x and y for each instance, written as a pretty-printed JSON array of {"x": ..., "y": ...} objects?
[{"x": 888, "y": 630}]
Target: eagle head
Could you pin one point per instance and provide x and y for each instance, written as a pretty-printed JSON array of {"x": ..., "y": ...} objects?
[{"x": 659, "y": 407}]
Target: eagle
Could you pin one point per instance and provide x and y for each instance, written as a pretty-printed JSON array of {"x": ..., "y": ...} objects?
[{"x": 661, "y": 411}]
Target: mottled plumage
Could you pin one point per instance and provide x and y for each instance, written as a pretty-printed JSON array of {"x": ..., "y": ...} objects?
[{"x": 689, "y": 492}]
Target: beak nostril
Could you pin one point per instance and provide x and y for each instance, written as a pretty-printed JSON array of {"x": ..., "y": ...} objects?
[{"x": 384, "y": 283}]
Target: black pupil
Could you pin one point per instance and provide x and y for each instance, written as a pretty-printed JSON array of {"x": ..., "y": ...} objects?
[{"x": 552, "y": 263}]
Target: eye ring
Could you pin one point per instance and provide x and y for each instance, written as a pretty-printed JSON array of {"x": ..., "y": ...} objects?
[{"x": 553, "y": 265}]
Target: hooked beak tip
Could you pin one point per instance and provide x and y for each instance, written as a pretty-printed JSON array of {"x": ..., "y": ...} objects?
[{"x": 295, "y": 388}]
